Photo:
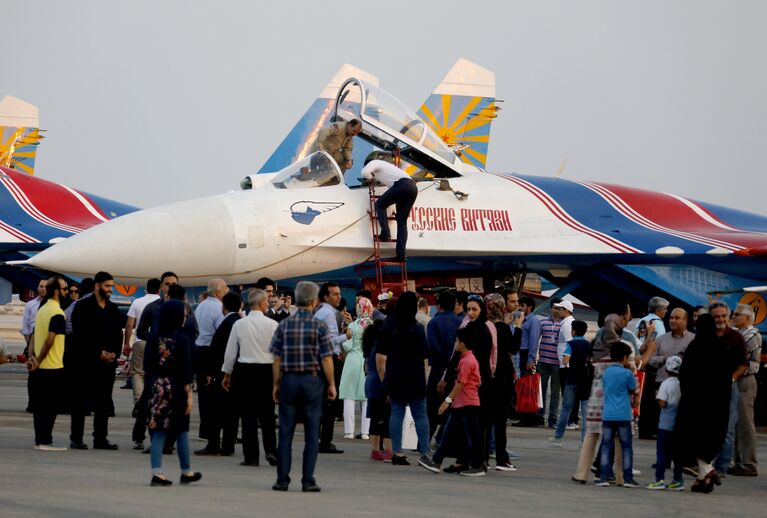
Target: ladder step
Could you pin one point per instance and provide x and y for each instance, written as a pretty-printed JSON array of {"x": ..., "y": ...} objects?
[{"x": 391, "y": 263}]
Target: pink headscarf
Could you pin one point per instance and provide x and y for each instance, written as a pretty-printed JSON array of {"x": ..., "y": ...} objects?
[{"x": 364, "y": 312}]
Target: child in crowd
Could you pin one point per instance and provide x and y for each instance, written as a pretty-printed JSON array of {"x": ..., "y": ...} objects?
[
  {"x": 462, "y": 428},
  {"x": 575, "y": 357},
  {"x": 668, "y": 398},
  {"x": 620, "y": 387}
]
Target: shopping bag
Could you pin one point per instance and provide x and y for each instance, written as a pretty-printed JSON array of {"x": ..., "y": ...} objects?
[
  {"x": 529, "y": 396},
  {"x": 640, "y": 379},
  {"x": 409, "y": 437}
]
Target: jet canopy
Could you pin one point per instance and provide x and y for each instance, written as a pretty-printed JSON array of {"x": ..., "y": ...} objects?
[
  {"x": 315, "y": 170},
  {"x": 390, "y": 124}
]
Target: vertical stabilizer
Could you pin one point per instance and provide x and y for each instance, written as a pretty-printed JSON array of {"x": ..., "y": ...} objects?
[
  {"x": 19, "y": 134},
  {"x": 297, "y": 143},
  {"x": 461, "y": 110}
]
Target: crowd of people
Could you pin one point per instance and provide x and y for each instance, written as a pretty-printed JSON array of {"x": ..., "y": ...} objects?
[{"x": 251, "y": 352}]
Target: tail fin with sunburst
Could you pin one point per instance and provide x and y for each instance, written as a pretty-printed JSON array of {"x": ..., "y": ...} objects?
[
  {"x": 19, "y": 134},
  {"x": 461, "y": 110}
]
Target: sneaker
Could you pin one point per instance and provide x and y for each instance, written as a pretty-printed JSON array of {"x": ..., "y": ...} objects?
[
  {"x": 387, "y": 455},
  {"x": 556, "y": 442},
  {"x": 602, "y": 482},
  {"x": 138, "y": 445},
  {"x": 631, "y": 483},
  {"x": 348, "y": 436},
  {"x": 365, "y": 437},
  {"x": 505, "y": 466},
  {"x": 512, "y": 455},
  {"x": 573, "y": 426},
  {"x": 658, "y": 484},
  {"x": 676, "y": 485},
  {"x": 376, "y": 455},
  {"x": 399, "y": 460},
  {"x": 49, "y": 447},
  {"x": 636, "y": 472},
  {"x": 491, "y": 454},
  {"x": 473, "y": 472},
  {"x": 453, "y": 469},
  {"x": 741, "y": 471},
  {"x": 429, "y": 464}
]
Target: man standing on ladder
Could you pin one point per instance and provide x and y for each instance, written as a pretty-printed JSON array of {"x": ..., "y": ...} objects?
[{"x": 402, "y": 192}]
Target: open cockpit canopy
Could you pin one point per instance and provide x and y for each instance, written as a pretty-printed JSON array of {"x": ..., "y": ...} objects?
[{"x": 388, "y": 124}]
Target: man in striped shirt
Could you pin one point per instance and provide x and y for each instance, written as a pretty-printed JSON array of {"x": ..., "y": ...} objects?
[
  {"x": 302, "y": 351},
  {"x": 548, "y": 363}
]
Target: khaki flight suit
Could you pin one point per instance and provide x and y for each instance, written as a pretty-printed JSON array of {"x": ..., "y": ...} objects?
[{"x": 334, "y": 140}]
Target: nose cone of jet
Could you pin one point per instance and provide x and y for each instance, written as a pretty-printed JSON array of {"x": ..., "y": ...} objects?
[{"x": 194, "y": 238}]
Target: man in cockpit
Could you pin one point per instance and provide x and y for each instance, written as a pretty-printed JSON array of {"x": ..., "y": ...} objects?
[
  {"x": 336, "y": 140},
  {"x": 402, "y": 192}
]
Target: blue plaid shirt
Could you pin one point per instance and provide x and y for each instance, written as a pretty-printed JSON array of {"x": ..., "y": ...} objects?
[{"x": 301, "y": 341}]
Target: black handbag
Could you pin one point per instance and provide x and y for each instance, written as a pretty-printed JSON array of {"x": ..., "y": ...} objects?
[{"x": 584, "y": 384}]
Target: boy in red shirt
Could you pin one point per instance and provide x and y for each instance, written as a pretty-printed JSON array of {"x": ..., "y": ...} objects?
[{"x": 462, "y": 426}]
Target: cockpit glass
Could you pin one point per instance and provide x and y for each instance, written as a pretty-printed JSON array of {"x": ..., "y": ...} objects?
[
  {"x": 387, "y": 110},
  {"x": 316, "y": 170}
]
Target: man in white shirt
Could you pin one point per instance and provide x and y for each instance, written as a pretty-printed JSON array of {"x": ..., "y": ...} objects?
[
  {"x": 247, "y": 371},
  {"x": 565, "y": 309},
  {"x": 30, "y": 312},
  {"x": 401, "y": 192}
]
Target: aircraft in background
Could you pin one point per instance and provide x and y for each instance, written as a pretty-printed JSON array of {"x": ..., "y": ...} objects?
[
  {"x": 35, "y": 213},
  {"x": 595, "y": 241}
]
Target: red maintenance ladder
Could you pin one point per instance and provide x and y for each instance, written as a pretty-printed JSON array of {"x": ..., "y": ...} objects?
[{"x": 390, "y": 274}]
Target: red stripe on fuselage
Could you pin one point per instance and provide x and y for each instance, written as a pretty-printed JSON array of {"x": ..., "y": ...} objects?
[
  {"x": 672, "y": 213},
  {"x": 52, "y": 201}
]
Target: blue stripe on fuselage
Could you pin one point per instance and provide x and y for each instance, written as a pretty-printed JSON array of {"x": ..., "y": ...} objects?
[
  {"x": 735, "y": 218},
  {"x": 591, "y": 210}
]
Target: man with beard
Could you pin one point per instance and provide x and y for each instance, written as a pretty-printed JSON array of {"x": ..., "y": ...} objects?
[{"x": 98, "y": 327}]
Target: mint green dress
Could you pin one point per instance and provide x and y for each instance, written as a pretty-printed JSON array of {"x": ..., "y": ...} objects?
[{"x": 353, "y": 375}]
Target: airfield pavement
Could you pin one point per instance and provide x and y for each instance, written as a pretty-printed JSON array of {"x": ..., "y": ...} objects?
[{"x": 104, "y": 483}]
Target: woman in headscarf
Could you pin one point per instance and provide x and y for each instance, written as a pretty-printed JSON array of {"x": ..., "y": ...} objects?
[
  {"x": 169, "y": 375},
  {"x": 400, "y": 361},
  {"x": 701, "y": 423},
  {"x": 502, "y": 384},
  {"x": 352, "y": 386}
]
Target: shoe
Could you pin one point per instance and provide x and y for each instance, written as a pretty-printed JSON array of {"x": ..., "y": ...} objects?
[
  {"x": 387, "y": 455},
  {"x": 311, "y": 488},
  {"x": 473, "y": 472},
  {"x": 429, "y": 464},
  {"x": 249, "y": 463},
  {"x": 611, "y": 481},
  {"x": 513, "y": 456},
  {"x": 384, "y": 237},
  {"x": 741, "y": 471},
  {"x": 106, "y": 445},
  {"x": 505, "y": 466},
  {"x": 365, "y": 437},
  {"x": 573, "y": 426},
  {"x": 271, "y": 458},
  {"x": 453, "y": 468},
  {"x": 399, "y": 460},
  {"x": 158, "y": 481},
  {"x": 330, "y": 448},
  {"x": 400, "y": 259},
  {"x": 348, "y": 436},
  {"x": 207, "y": 451},
  {"x": 376, "y": 455},
  {"x": 717, "y": 476},
  {"x": 79, "y": 446},
  {"x": 658, "y": 484},
  {"x": 50, "y": 447},
  {"x": 602, "y": 483},
  {"x": 636, "y": 472},
  {"x": 556, "y": 442},
  {"x": 226, "y": 453},
  {"x": 675, "y": 485},
  {"x": 128, "y": 385},
  {"x": 710, "y": 481},
  {"x": 491, "y": 455},
  {"x": 697, "y": 486},
  {"x": 188, "y": 479},
  {"x": 138, "y": 445},
  {"x": 630, "y": 483},
  {"x": 579, "y": 481},
  {"x": 148, "y": 449},
  {"x": 279, "y": 487}
]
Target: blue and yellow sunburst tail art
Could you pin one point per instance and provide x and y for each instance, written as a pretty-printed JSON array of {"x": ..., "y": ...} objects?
[
  {"x": 461, "y": 111},
  {"x": 18, "y": 148},
  {"x": 19, "y": 134}
]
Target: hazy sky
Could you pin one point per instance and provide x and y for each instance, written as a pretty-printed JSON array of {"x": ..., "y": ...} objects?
[{"x": 148, "y": 102}]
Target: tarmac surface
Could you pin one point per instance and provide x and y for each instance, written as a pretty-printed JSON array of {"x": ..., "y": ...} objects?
[{"x": 106, "y": 483}]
